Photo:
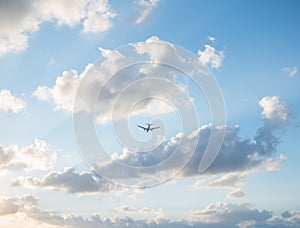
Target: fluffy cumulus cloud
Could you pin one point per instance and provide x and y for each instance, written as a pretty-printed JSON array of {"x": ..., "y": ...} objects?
[
  {"x": 99, "y": 17},
  {"x": 231, "y": 215},
  {"x": 236, "y": 159},
  {"x": 144, "y": 8},
  {"x": 62, "y": 93},
  {"x": 38, "y": 155},
  {"x": 122, "y": 91},
  {"x": 210, "y": 56},
  {"x": 159, "y": 51},
  {"x": 275, "y": 113},
  {"x": 117, "y": 83},
  {"x": 24, "y": 210},
  {"x": 19, "y": 19},
  {"x": 250, "y": 154},
  {"x": 10, "y": 103}
]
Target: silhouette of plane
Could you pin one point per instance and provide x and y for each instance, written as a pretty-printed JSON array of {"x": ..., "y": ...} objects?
[{"x": 148, "y": 128}]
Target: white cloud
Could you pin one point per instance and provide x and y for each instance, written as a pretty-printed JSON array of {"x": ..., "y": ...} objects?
[
  {"x": 99, "y": 17},
  {"x": 94, "y": 78},
  {"x": 35, "y": 156},
  {"x": 94, "y": 15},
  {"x": 210, "y": 56},
  {"x": 159, "y": 51},
  {"x": 228, "y": 181},
  {"x": 43, "y": 93},
  {"x": 275, "y": 113},
  {"x": 62, "y": 93},
  {"x": 144, "y": 8},
  {"x": 8, "y": 102},
  {"x": 291, "y": 71},
  {"x": 272, "y": 164},
  {"x": 211, "y": 38},
  {"x": 236, "y": 194}
]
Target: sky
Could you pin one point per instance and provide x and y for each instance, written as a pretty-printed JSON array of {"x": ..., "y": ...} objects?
[{"x": 219, "y": 78}]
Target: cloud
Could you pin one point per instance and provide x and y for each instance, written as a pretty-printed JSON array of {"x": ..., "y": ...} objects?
[
  {"x": 10, "y": 103},
  {"x": 291, "y": 71},
  {"x": 27, "y": 210},
  {"x": 62, "y": 93},
  {"x": 228, "y": 181},
  {"x": 230, "y": 215},
  {"x": 237, "y": 157},
  {"x": 211, "y": 38},
  {"x": 143, "y": 211},
  {"x": 275, "y": 113},
  {"x": 135, "y": 82},
  {"x": 127, "y": 209},
  {"x": 246, "y": 153},
  {"x": 236, "y": 194},
  {"x": 94, "y": 16},
  {"x": 35, "y": 156},
  {"x": 144, "y": 8},
  {"x": 11, "y": 205},
  {"x": 159, "y": 51},
  {"x": 210, "y": 56},
  {"x": 67, "y": 180},
  {"x": 99, "y": 17}
]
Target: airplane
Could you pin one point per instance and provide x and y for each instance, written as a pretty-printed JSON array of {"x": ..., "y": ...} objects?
[{"x": 148, "y": 128}]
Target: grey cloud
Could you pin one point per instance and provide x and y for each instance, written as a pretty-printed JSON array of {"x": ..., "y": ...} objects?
[
  {"x": 68, "y": 180},
  {"x": 12, "y": 205},
  {"x": 231, "y": 215},
  {"x": 237, "y": 154}
]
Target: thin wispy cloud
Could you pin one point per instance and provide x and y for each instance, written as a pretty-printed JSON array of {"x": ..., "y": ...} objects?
[
  {"x": 290, "y": 71},
  {"x": 144, "y": 8}
]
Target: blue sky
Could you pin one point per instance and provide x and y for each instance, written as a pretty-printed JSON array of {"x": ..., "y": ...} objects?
[{"x": 49, "y": 49}]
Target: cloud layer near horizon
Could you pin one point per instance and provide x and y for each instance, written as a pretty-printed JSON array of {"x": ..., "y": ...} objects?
[{"x": 24, "y": 211}]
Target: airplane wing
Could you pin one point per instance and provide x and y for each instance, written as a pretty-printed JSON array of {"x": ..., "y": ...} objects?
[
  {"x": 144, "y": 128},
  {"x": 153, "y": 128}
]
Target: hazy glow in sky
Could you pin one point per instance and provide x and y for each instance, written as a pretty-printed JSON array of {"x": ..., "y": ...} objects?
[{"x": 50, "y": 50}]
